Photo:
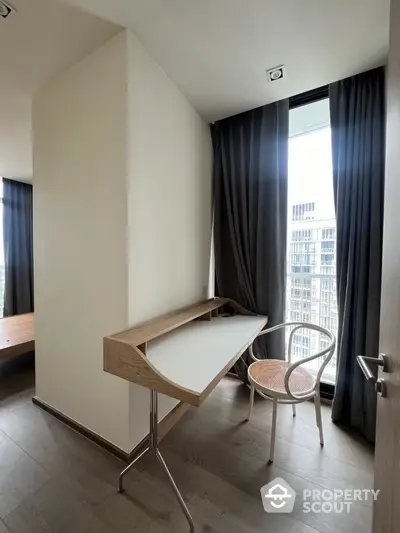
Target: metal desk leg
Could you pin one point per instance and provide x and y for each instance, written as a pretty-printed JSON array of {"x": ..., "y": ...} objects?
[
  {"x": 153, "y": 446},
  {"x": 126, "y": 470},
  {"x": 177, "y": 493}
]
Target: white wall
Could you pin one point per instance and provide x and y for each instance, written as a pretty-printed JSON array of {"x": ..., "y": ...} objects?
[
  {"x": 80, "y": 218},
  {"x": 169, "y": 205},
  {"x": 15, "y": 136},
  {"x": 122, "y": 180}
]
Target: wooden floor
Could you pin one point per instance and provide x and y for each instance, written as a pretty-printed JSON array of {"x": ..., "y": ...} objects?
[{"x": 54, "y": 480}]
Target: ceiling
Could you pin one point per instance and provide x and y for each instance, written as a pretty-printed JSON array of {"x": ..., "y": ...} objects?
[
  {"x": 217, "y": 51},
  {"x": 37, "y": 42},
  {"x": 43, "y": 38}
]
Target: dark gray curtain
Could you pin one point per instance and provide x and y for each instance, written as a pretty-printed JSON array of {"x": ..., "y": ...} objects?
[
  {"x": 250, "y": 214},
  {"x": 18, "y": 247},
  {"x": 357, "y": 107}
]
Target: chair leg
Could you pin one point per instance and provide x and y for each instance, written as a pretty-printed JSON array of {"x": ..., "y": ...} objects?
[
  {"x": 273, "y": 432},
  {"x": 294, "y": 409},
  {"x": 318, "y": 416},
  {"x": 251, "y": 402}
]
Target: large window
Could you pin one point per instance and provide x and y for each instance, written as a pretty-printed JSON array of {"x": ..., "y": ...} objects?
[{"x": 311, "y": 255}]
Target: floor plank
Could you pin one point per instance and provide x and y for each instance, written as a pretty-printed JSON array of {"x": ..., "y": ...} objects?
[
  {"x": 20, "y": 475},
  {"x": 54, "y": 480}
]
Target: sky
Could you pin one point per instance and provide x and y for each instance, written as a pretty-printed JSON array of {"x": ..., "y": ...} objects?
[{"x": 310, "y": 172}]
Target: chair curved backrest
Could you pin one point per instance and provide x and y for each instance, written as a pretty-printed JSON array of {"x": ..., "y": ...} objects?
[{"x": 329, "y": 351}]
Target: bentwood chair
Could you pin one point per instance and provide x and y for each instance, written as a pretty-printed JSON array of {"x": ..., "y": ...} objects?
[{"x": 287, "y": 382}]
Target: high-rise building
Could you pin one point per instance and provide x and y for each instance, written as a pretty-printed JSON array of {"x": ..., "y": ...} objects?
[{"x": 311, "y": 281}]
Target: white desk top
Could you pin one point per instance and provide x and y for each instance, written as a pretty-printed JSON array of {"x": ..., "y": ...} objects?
[{"x": 194, "y": 354}]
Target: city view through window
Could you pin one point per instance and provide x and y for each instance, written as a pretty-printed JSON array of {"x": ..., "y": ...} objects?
[{"x": 311, "y": 256}]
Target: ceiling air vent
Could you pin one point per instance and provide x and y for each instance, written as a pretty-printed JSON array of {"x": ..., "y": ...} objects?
[
  {"x": 5, "y": 9},
  {"x": 276, "y": 73}
]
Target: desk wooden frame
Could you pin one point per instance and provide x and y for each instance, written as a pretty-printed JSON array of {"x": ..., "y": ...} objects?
[{"x": 125, "y": 357}]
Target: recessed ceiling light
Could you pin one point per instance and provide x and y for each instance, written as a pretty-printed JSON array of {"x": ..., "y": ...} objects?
[
  {"x": 276, "y": 73},
  {"x": 5, "y": 9}
]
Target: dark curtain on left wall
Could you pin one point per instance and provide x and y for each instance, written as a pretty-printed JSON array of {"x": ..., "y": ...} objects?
[
  {"x": 18, "y": 247},
  {"x": 250, "y": 215}
]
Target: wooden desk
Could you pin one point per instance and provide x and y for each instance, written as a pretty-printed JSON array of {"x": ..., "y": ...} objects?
[
  {"x": 17, "y": 335},
  {"x": 183, "y": 355}
]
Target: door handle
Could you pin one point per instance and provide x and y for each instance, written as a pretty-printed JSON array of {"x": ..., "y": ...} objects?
[{"x": 382, "y": 361}]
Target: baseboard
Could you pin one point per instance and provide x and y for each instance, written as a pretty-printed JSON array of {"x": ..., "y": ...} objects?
[
  {"x": 170, "y": 419},
  {"x": 164, "y": 426}
]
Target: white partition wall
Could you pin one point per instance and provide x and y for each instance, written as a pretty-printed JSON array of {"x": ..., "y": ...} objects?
[
  {"x": 80, "y": 218},
  {"x": 169, "y": 205},
  {"x": 122, "y": 223}
]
